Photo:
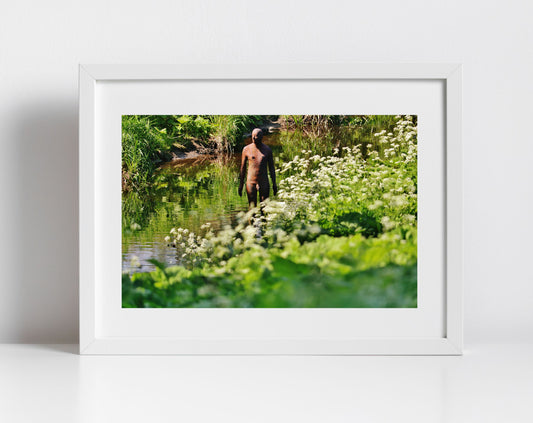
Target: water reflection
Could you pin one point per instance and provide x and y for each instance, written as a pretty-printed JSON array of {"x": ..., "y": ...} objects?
[{"x": 187, "y": 193}]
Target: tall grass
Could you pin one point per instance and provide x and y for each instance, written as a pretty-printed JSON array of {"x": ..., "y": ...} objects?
[
  {"x": 229, "y": 130},
  {"x": 322, "y": 134},
  {"x": 142, "y": 145}
]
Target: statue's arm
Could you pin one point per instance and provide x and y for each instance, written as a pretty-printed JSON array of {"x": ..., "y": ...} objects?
[
  {"x": 272, "y": 170},
  {"x": 242, "y": 173}
]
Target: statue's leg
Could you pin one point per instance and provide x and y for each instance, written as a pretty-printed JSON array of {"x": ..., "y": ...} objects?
[
  {"x": 264, "y": 191},
  {"x": 251, "y": 191}
]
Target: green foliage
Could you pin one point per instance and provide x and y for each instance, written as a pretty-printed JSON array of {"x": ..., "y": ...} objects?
[
  {"x": 146, "y": 139},
  {"x": 218, "y": 131},
  {"x": 322, "y": 134},
  {"x": 142, "y": 145},
  {"x": 312, "y": 123},
  {"x": 192, "y": 128},
  {"x": 184, "y": 131},
  {"x": 229, "y": 130},
  {"x": 328, "y": 272}
]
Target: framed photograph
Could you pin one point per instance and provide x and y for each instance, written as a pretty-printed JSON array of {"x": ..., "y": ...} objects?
[{"x": 291, "y": 209}]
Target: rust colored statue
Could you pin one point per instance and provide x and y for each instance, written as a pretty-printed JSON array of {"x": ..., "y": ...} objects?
[{"x": 260, "y": 162}]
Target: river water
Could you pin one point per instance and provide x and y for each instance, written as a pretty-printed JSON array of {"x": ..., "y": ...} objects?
[{"x": 187, "y": 193}]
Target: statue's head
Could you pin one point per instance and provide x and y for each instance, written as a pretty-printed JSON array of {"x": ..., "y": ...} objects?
[{"x": 257, "y": 135}]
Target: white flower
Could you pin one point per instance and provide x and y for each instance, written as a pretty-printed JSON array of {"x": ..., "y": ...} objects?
[
  {"x": 387, "y": 223},
  {"x": 409, "y": 218},
  {"x": 134, "y": 262},
  {"x": 375, "y": 205}
]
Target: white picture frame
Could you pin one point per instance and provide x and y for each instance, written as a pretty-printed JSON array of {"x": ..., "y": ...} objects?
[{"x": 99, "y": 336}]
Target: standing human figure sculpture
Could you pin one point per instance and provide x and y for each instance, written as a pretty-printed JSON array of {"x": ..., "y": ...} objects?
[{"x": 260, "y": 163}]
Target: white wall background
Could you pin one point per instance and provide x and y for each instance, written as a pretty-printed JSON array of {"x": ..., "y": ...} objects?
[{"x": 41, "y": 44}]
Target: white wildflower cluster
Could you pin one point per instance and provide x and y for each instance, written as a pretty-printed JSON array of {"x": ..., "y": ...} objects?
[
  {"x": 228, "y": 242},
  {"x": 135, "y": 262},
  {"x": 312, "y": 178},
  {"x": 191, "y": 248},
  {"x": 382, "y": 181},
  {"x": 401, "y": 143}
]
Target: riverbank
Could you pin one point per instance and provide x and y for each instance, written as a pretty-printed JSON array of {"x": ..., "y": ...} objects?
[{"x": 197, "y": 151}]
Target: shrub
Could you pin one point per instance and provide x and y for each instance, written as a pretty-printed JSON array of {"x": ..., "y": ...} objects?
[{"x": 229, "y": 130}]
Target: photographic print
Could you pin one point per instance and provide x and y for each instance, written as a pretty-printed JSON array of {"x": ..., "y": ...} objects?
[{"x": 269, "y": 211}]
